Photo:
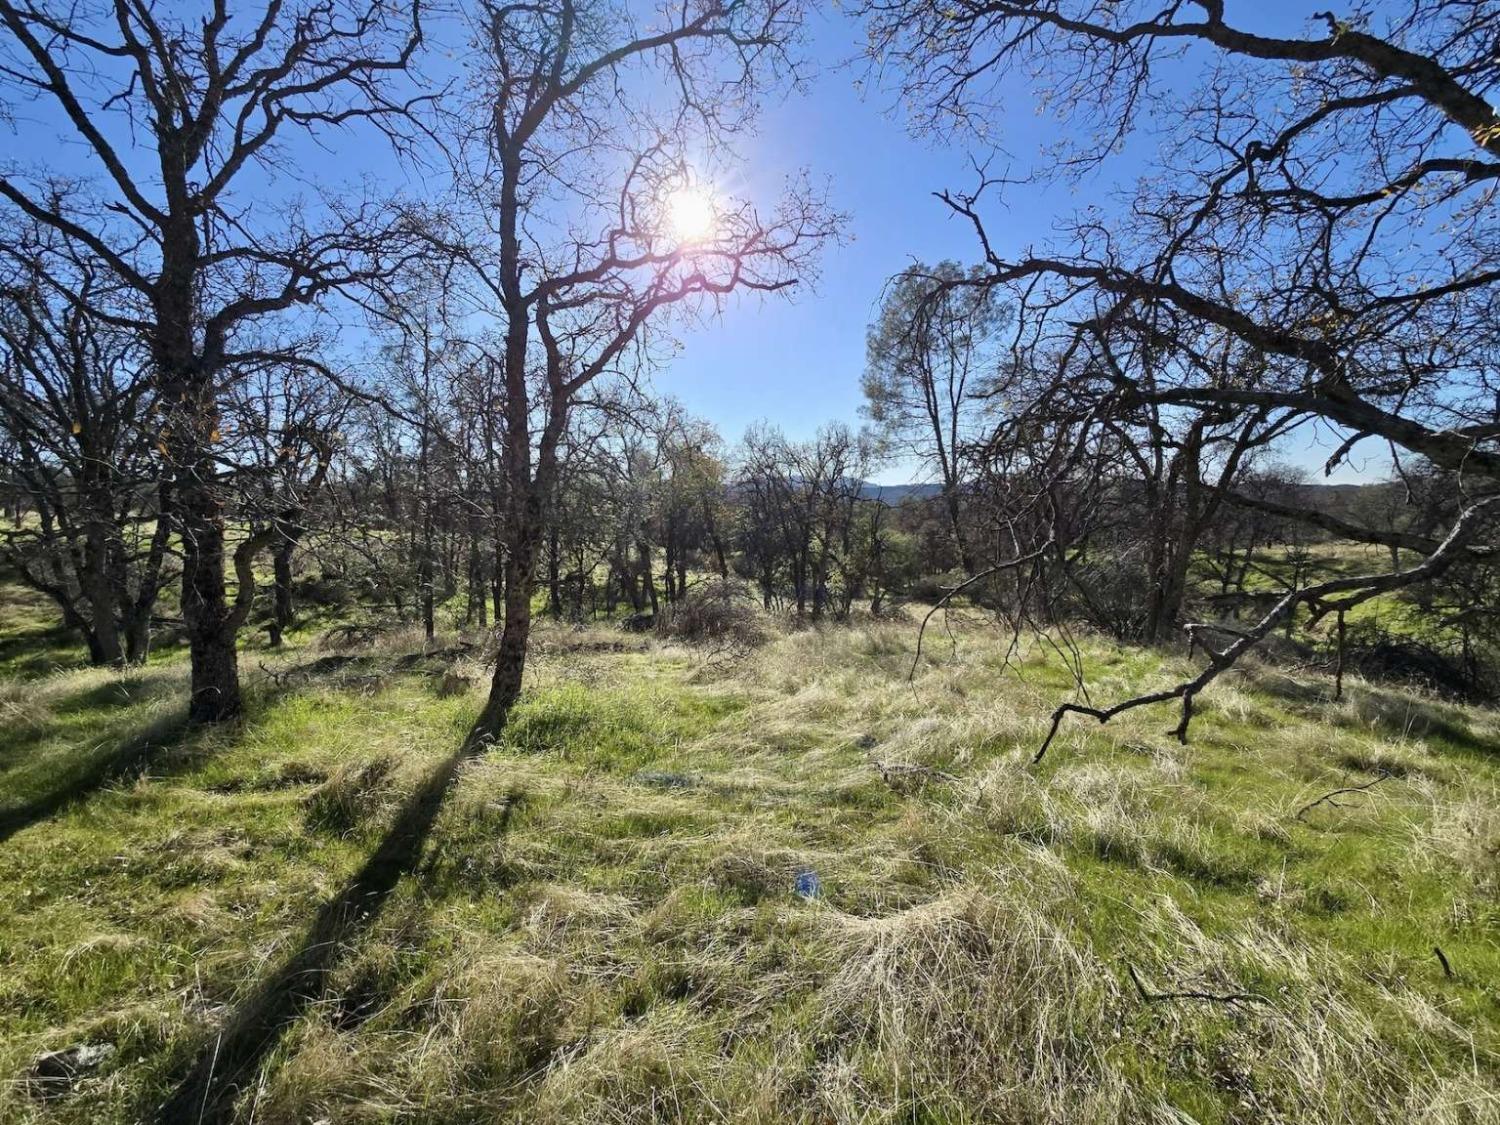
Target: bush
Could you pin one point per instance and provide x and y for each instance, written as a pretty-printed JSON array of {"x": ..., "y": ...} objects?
[{"x": 718, "y": 609}]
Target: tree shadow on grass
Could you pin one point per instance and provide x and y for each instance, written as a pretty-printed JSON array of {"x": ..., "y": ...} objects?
[
  {"x": 1391, "y": 711},
  {"x": 228, "y": 1064},
  {"x": 29, "y": 653},
  {"x": 79, "y": 779},
  {"x": 87, "y": 773}
]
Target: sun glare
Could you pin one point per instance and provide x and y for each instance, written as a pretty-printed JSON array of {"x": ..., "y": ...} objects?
[{"x": 690, "y": 211}]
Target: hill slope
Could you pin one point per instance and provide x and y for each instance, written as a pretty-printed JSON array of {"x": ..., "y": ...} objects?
[{"x": 607, "y": 925}]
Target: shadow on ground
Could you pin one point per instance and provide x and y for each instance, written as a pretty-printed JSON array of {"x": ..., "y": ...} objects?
[
  {"x": 28, "y": 653},
  {"x": 227, "y": 1064},
  {"x": 1392, "y": 712},
  {"x": 129, "y": 756},
  {"x": 126, "y": 759}
]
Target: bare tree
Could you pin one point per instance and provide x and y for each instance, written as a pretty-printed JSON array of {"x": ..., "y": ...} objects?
[
  {"x": 175, "y": 117},
  {"x": 1282, "y": 232},
  {"x": 285, "y": 425},
  {"x": 581, "y": 247},
  {"x": 805, "y": 529},
  {"x": 929, "y": 355},
  {"x": 97, "y": 523}
]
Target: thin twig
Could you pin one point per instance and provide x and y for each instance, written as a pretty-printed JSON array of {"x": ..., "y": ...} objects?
[
  {"x": 952, "y": 591},
  {"x": 1328, "y": 798}
]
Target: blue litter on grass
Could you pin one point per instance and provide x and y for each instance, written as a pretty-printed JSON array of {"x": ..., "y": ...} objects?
[{"x": 807, "y": 884}]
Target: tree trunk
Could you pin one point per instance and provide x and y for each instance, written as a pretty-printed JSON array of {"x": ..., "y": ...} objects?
[
  {"x": 425, "y": 583},
  {"x": 669, "y": 571},
  {"x": 138, "y": 639},
  {"x": 515, "y": 634},
  {"x": 281, "y": 566},
  {"x": 554, "y": 576},
  {"x": 103, "y": 599},
  {"x": 648, "y": 576},
  {"x": 510, "y": 664},
  {"x": 189, "y": 380},
  {"x": 955, "y": 522},
  {"x": 215, "y": 691},
  {"x": 1168, "y": 604}
]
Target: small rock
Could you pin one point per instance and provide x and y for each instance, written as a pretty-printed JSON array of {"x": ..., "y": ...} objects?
[{"x": 56, "y": 1073}]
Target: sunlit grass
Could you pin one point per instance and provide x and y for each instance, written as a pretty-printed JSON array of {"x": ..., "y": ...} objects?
[{"x": 606, "y": 927}]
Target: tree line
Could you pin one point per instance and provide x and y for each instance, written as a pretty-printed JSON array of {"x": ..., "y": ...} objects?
[{"x": 1101, "y": 414}]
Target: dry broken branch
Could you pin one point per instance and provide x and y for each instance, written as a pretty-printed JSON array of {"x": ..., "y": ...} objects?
[
  {"x": 1217, "y": 997},
  {"x": 1330, "y": 798},
  {"x": 1334, "y": 595}
]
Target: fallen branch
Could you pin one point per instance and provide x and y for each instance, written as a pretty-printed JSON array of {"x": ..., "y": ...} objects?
[
  {"x": 1443, "y": 961},
  {"x": 1216, "y": 997},
  {"x": 1320, "y": 597},
  {"x": 1328, "y": 798},
  {"x": 888, "y": 770}
]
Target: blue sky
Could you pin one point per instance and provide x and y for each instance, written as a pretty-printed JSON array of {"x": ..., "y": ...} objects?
[{"x": 798, "y": 364}]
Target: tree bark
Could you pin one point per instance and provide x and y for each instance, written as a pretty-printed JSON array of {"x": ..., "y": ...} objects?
[
  {"x": 956, "y": 523},
  {"x": 215, "y": 683},
  {"x": 281, "y": 565},
  {"x": 103, "y": 598}
]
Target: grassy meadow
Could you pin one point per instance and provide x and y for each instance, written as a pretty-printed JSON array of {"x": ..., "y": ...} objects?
[{"x": 606, "y": 926}]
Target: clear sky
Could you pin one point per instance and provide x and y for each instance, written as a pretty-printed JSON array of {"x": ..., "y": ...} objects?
[{"x": 798, "y": 364}]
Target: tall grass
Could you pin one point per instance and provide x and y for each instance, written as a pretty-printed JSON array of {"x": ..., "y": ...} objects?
[{"x": 607, "y": 924}]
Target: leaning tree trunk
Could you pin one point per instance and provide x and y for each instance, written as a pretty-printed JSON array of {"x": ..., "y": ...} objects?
[{"x": 515, "y": 634}]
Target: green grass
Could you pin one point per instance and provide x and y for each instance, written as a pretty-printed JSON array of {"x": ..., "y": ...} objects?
[
  {"x": 604, "y": 927},
  {"x": 32, "y": 641}
]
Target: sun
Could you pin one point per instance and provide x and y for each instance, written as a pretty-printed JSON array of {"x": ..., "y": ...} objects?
[{"x": 691, "y": 214}]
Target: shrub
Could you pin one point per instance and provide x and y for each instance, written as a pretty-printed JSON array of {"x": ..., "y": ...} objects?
[{"x": 719, "y": 609}]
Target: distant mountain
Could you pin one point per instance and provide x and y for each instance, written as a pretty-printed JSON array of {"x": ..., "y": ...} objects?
[
  {"x": 1317, "y": 495},
  {"x": 896, "y": 493}
]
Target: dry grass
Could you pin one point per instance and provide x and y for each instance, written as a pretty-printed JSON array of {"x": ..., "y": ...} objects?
[{"x": 607, "y": 926}]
